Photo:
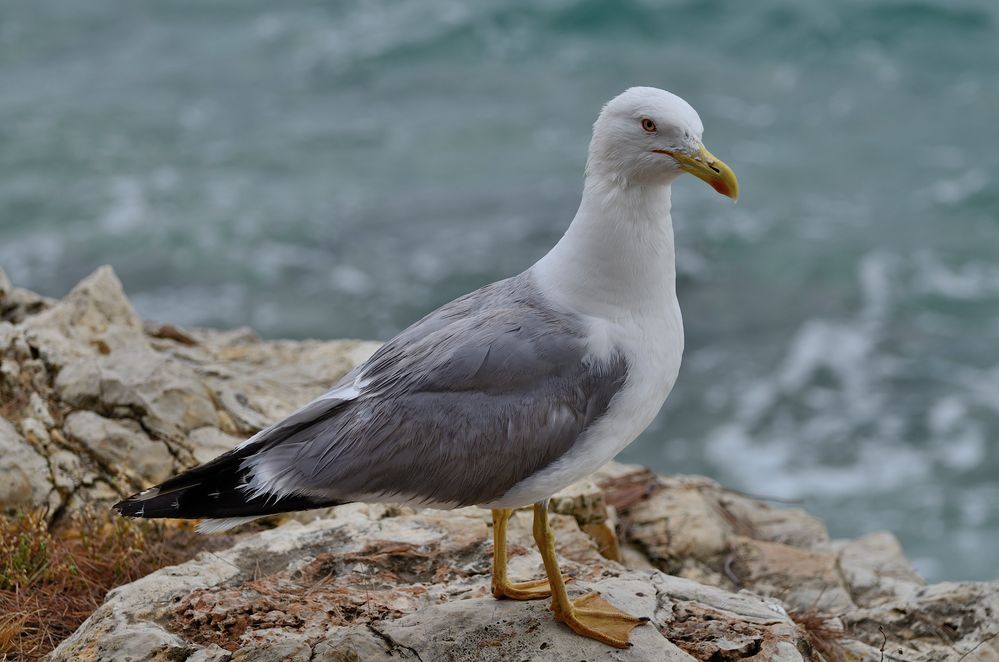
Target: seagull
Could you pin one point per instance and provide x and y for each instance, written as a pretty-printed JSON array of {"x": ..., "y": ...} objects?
[{"x": 508, "y": 394}]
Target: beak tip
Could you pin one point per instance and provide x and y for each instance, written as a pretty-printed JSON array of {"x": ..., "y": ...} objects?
[
  {"x": 709, "y": 169},
  {"x": 726, "y": 189}
]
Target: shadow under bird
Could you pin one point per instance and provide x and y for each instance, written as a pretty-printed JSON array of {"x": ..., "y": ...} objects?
[{"x": 508, "y": 394}]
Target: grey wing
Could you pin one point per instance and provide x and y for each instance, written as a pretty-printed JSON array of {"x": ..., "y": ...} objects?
[{"x": 455, "y": 410}]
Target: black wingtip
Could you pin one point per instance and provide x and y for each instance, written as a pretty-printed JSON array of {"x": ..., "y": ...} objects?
[
  {"x": 132, "y": 505},
  {"x": 126, "y": 507}
]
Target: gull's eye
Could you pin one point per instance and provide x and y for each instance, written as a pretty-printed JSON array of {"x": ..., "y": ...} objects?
[{"x": 648, "y": 125}]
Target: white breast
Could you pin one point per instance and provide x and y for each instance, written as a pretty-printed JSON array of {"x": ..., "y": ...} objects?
[
  {"x": 653, "y": 347},
  {"x": 614, "y": 267}
]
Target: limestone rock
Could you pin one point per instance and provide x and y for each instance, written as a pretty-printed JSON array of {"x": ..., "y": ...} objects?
[
  {"x": 365, "y": 586},
  {"x": 679, "y": 522},
  {"x": 682, "y": 517},
  {"x": 68, "y": 470},
  {"x": 875, "y": 569},
  {"x": 25, "y": 475},
  {"x": 382, "y": 583},
  {"x": 486, "y": 629},
  {"x": 585, "y": 502},
  {"x": 762, "y": 521},
  {"x": 713, "y": 624},
  {"x": 17, "y": 304},
  {"x": 946, "y": 621},
  {"x": 120, "y": 446},
  {"x": 693, "y": 527},
  {"x": 164, "y": 395},
  {"x": 803, "y": 578},
  {"x": 95, "y": 403},
  {"x": 36, "y": 433},
  {"x": 108, "y": 404},
  {"x": 209, "y": 442},
  {"x": 94, "y": 318}
]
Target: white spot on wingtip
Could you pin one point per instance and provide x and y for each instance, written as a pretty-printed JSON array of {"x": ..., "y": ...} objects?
[{"x": 145, "y": 495}]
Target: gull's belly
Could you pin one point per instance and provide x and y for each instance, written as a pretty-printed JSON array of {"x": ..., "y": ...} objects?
[{"x": 654, "y": 353}]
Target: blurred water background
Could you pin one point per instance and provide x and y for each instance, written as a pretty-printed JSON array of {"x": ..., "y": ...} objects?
[{"x": 318, "y": 169}]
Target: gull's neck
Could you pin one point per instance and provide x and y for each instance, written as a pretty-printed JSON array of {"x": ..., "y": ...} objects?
[{"x": 617, "y": 257}]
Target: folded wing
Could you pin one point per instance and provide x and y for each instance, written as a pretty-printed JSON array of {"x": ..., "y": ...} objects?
[{"x": 454, "y": 411}]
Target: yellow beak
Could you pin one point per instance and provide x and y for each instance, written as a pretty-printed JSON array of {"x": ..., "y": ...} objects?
[{"x": 704, "y": 165}]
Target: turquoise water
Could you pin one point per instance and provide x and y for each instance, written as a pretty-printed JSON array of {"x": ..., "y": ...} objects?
[{"x": 338, "y": 169}]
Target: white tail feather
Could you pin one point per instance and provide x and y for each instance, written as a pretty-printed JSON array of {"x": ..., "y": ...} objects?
[{"x": 224, "y": 523}]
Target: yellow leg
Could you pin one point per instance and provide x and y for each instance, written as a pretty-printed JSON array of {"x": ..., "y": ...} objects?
[
  {"x": 590, "y": 615},
  {"x": 502, "y": 586}
]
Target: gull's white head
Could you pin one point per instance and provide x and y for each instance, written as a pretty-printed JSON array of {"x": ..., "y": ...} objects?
[{"x": 647, "y": 136}]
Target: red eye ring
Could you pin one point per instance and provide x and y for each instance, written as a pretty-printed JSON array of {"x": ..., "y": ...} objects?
[{"x": 648, "y": 125}]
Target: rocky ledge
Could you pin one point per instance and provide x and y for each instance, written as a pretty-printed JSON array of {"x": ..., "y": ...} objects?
[{"x": 96, "y": 403}]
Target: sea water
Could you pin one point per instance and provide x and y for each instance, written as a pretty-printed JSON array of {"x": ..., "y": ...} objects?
[{"x": 332, "y": 169}]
